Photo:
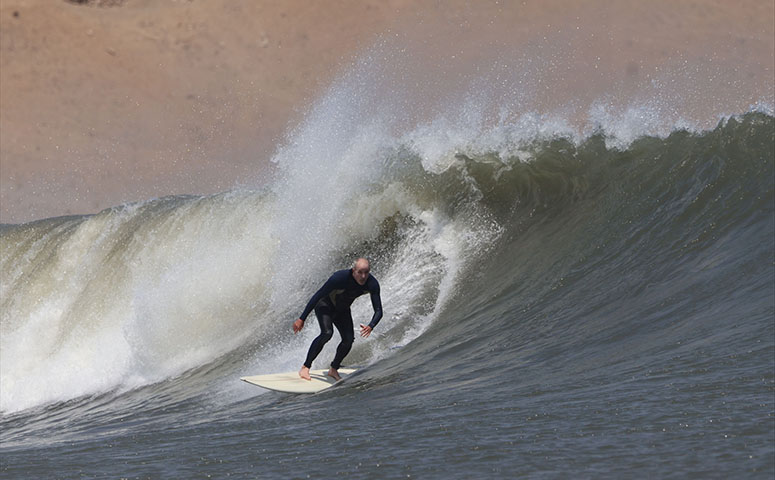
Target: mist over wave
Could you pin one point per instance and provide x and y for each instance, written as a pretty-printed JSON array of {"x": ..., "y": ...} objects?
[{"x": 480, "y": 191}]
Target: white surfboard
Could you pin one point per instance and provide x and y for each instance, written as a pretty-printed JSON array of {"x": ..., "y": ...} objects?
[{"x": 290, "y": 382}]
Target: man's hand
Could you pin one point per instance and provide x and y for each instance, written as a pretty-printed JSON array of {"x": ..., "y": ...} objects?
[
  {"x": 298, "y": 325},
  {"x": 365, "y": 330}
]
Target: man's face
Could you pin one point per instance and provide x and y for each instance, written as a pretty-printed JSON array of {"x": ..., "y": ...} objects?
[{"x": 361, "y": 273}]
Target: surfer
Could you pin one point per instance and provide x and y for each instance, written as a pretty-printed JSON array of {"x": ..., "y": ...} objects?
[{"x": 332, "y": 308}]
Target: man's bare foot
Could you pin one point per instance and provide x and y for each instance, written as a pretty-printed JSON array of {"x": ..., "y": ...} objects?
[
  {"x": 304, "y": 373},
  {"x": 334, "y": 374}
]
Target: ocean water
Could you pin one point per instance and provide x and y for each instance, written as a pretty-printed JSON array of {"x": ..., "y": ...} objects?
[{"x": 560, "y": 301}]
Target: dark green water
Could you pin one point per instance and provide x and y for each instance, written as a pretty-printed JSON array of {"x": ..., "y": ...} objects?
[{"x": 592, "y": 311}]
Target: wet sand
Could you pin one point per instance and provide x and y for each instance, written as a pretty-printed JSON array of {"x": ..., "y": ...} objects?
[{"x": 115, "y": 101}]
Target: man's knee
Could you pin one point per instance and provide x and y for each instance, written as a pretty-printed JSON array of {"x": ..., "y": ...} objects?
[
  {"x": 347, "y": 341},
  {"x": 326, "y": 335},
  {"x": 347, "y": 335}
]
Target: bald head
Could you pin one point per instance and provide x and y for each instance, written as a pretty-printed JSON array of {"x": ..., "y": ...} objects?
[
  {"x": 360, "y": 263},
  {"x": 361, "y": 270}
]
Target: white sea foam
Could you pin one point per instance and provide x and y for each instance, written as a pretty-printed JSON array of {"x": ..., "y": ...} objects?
[{"x": 129, "y": 297}]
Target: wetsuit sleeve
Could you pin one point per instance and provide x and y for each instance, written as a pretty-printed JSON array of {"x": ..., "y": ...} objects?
[
  {"x": 326, "y": 289},
  {"x": 376, "y": 303}
]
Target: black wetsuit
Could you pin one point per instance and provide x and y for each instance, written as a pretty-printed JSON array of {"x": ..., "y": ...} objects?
[{"x": 332, "y": 307}]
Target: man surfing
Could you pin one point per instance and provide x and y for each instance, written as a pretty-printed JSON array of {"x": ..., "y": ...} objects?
[{"x": 332, "y": 308}]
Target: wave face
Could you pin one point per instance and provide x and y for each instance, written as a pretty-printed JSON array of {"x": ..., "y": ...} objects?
[{"x": 592, "y": 256}]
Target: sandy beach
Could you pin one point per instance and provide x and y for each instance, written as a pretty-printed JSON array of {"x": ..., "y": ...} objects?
[{"x": 114, "y": 101}]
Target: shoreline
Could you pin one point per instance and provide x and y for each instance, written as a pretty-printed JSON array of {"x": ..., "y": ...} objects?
[{"x": 104, "y": 105}]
